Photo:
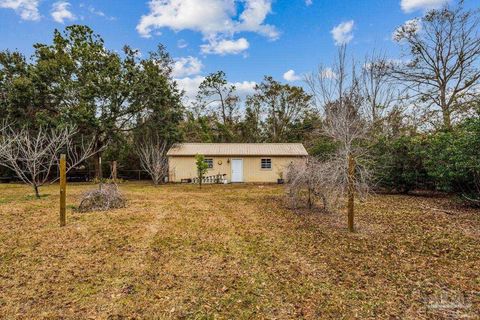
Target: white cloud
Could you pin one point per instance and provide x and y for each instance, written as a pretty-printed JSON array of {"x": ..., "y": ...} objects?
[
  {"x": 223, "y": 46},
  {"x": 190, "y": 86},
  {"x": 343, "y": 33},
  {"x": 27, "y": 9},
  {"x": 410, "y": 26},
  {"x": 210, "y": 17},
  {"x": 328, "y": 73},
  {"x": 412, "y": 5},
  {"x": 186, "y": 66},
  {"x": 254, "y": 15},
  {"x": 61, "y": 12},
  {"x": 245, "y": 88},
  {"x": 217, "y": 20},
  {"x": 290, "y": 75},
  {"x": 308, "y": 2},
  {"x": 99, "y": 13},
  {"x": 182, "y": 43}
]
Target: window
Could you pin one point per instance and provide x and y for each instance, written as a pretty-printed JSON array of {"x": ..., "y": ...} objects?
[
  {"x": 209, "y": 162},
  {"x": 266, "y": 164}
]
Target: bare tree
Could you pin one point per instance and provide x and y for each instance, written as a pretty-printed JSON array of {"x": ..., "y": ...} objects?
[
  {"x": 442, "y": 71},
  {"x": 32, "y": 156},
  {"x": 152, "y": 152},
  {"x": 377, "y": 88},
  {"x": 4, "y": 142},
  {"x": 338, "y": 93},
  {"x": 316, "y": 180}
]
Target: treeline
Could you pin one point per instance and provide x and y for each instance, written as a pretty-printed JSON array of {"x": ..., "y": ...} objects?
[
  {"x": 422, "y": 111},
  {"x": 120, "y": 99}
]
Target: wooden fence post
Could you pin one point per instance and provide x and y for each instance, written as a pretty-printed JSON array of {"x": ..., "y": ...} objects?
[
  {"x": 351, "y": 191},
  {"x": 63, "y": 189},
  {"x": 100, "y": 173},
  {"x": 114, "y": 171}
]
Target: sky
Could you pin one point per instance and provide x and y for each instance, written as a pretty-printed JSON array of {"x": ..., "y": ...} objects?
[{"x": 247, "y": 39}]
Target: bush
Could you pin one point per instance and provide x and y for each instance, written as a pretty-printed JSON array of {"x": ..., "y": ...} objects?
[
  {"x": 109, "y": 197},
  {"x": 399, "y": 164},
  {"x": 446, "y": 161},
  {"x": 452, "y": 159}
]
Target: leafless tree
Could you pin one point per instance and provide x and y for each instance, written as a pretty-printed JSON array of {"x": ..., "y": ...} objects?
[
  {"x": 4, "y": 143},
  {"x": 33, "y": 155},
  {"x": 316, "y": 180},
  {"x": 338, "y": 93},
  {"x": 152, "y": 152},
  {"x": 379, "y": 91},
  {"x": 443, "y": 50}
]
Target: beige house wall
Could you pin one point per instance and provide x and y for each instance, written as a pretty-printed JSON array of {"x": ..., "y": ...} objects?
[{"x": 183, "y": 167}]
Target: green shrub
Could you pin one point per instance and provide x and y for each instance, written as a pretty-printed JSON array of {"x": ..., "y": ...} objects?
[
  {"x": 398, "y": 164},
  {"x": 452, "y": 159}
]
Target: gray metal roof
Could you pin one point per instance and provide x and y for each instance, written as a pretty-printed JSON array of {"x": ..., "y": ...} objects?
[{"x": 238, "y": 149}]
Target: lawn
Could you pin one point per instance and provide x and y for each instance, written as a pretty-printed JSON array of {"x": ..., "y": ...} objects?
[{"x": 235, "y": 252}]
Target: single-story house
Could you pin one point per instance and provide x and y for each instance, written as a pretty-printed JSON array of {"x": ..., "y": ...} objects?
[{"x": 240, "y": 162}]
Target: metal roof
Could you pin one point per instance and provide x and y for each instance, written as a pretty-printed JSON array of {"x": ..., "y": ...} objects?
[{"x": 238, "y": 149}]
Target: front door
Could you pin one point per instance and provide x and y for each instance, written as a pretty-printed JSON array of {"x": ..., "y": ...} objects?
[{"x": 237, "y": 170}]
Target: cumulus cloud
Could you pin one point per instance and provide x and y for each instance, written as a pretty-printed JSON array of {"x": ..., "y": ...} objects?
[
  {"x": 190, "y": 86},
  {"x": 343, "y": 33},
  {"x": 61, "y": 12},
  {"x": 245, "y": 88},
  {"x": 412, "y": 5},
  {"x": 253, "y": 17},
  {"x": 290, "y": 75},
  {"x": 209, "y": 17},
  {"x": 186, "y": 66},
  {"x": 219, "y": 20},
  {"x": 27, "y": 9},
  {"x": 224, "y": 46}
]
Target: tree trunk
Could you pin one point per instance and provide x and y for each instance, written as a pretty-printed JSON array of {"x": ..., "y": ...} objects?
[
  {"x": 114, "y": 171},
  {"x": 100, "y": 173},
  {"x": 447, "y": 122},
  {"x": 351, "y": 192},
  {"x": 37, "y": 193},
  {"x": 97, "y": 165}
]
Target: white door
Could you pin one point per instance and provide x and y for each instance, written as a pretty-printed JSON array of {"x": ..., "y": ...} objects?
[{"x": 237, "y": 170}]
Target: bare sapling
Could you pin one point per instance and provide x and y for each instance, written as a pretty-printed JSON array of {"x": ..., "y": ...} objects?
[
  {"x": 153, "y": 157},
  {"x": 32, "y": 155},
  {"x": 339, "y": 95}
]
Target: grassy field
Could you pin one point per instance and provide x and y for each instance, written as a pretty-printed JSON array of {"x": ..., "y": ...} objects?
[{"x": 234, "y": 252}]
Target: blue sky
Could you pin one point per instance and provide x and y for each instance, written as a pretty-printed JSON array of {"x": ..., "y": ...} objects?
[{"x": 245, "y": 38}]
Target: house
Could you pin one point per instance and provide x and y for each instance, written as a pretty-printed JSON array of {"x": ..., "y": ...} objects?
[{"x": 240, "y": 162}]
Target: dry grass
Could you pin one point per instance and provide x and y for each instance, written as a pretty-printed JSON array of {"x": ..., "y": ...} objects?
[{"x": 234, "y": 252}]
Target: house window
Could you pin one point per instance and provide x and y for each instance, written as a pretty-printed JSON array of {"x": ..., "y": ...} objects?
[
  {"x": 209, "y": 162},
  {"x": 266, "y": 164}
]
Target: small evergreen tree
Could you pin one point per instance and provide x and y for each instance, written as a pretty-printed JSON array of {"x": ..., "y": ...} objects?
[{"x": 202, "y": 167}]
